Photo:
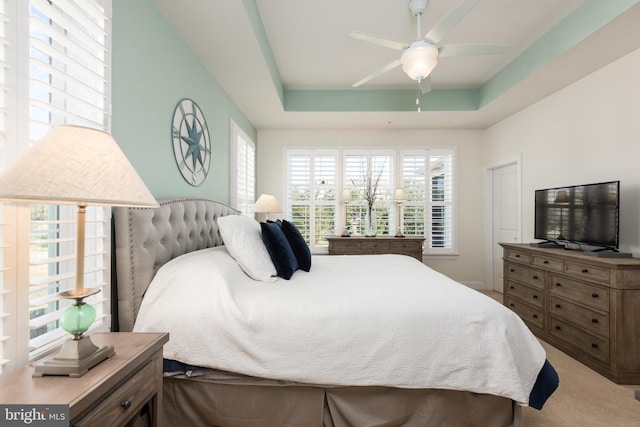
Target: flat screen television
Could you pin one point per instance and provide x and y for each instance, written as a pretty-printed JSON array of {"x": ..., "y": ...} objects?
[{"x": 584, "y": 214}]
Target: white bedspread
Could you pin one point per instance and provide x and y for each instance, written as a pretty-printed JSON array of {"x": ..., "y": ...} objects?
[{"x": 352, "y": 320}]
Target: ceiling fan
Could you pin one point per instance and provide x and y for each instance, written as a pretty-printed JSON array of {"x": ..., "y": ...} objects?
[{"x": 419, "y": 58}]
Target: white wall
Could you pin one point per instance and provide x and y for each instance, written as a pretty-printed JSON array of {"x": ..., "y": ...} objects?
[
  {"x": 468, "y": 266},
  {"x": 587, "y": 132}
]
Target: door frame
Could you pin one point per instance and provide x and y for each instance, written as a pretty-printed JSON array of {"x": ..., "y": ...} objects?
[{"x": 489, "y": 231}]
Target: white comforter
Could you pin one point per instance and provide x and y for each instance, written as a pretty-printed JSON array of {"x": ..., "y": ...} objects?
[{"x": 353, "y": 320}]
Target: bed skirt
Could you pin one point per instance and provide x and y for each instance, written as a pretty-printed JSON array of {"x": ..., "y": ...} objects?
[{"x": 202, "y": 402}]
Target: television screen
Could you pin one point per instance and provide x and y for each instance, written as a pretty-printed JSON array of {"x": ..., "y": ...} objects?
[{"x": 585, "y": 214}]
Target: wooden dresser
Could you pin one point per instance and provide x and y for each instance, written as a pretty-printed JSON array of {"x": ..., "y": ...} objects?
[
  {"x": 125, "y": 390},
  {"x": 359, "y": 245},
  {"x": 586, "y": 306}
]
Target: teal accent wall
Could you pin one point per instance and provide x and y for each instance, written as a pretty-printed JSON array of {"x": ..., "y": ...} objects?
[{"x": 153, "y": 69}]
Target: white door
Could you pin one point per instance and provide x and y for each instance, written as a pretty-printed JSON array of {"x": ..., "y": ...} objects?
[{"x": 505, "y": 228}]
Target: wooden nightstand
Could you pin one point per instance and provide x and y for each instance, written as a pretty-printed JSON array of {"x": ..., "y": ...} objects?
[
  {"x": 359, "y": 245},
  {"x": 122, "y": 390}
]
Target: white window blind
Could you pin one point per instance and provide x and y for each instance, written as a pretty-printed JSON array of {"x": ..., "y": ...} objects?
[
  {"x": 441, "y": 200},
  {"x": 67, "y": 55},
  {"x": 427, "y": 180},
  {"x": 426, "y": 175},
  {"x": 243, "y": 154},
  {"x": 311, "y": 193},
  {"x": 364, "y": 170}
]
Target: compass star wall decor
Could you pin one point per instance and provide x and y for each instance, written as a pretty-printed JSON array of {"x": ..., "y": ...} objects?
[{"x": 191, "y": 142}]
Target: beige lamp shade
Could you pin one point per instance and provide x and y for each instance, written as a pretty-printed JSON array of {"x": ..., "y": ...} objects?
[
  {"x": 266, "y": 203},
  {"x": 75, "y": 164}
]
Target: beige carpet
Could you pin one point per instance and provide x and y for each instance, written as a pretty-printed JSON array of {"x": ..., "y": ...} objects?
[{"x": 584, "y": 397}]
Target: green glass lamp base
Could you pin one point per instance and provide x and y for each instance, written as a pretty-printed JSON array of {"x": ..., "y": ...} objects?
[{"x": 74, "y": 359}]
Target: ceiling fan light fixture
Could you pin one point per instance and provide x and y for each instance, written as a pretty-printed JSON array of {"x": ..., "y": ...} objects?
[{"x": 419, "y": 60}]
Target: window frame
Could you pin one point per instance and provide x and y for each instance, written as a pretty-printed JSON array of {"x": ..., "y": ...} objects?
[
  {"x": 396, "y": 181},
  {"x": 22, "y": 129},
  {"x": 237, "y": 134}
]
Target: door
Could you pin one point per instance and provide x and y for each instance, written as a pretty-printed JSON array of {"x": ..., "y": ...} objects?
[{"x": 505, "y": 224}]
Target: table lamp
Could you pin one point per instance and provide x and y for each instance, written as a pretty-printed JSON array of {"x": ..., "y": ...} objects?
[
  {"x": 347, "y": 197},
  {"x": 266, "y": 204},
  {"x": 398, "y": 197},
  {"x": 81, "y": 166}
]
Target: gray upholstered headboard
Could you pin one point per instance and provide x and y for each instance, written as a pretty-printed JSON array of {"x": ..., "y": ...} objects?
[{"x": 145, "y": 239}]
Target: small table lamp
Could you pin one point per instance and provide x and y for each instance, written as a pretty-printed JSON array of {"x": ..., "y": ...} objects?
[
  {"x": 82, "y": 166},
  {"x": 398, "y": 197},
  {"x": 266, "y": 204},
  {"x": 347, "y": 197}
]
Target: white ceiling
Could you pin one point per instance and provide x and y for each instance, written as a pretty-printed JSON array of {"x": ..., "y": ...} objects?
[{"x": 309, "y": 42}]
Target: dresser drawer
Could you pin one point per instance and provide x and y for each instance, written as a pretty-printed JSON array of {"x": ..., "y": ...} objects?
[
  {"x": 548, "y": 263},
  {"x": 528, "y": 313},
  {"x": 125, "y": 401},
  {"x": 530, "y": 276},
  {"x": 586, "y": 271},
  {"x": 533, "y": 296},
  {"x": 592, "y": 346},
  {"x": 344, "y": 245},
  {"x": 587, "y": 319},
  {"x": 402, "y": 246},
  {"x": 586, "y": 293},
  {"x": 518, "y": 256}
]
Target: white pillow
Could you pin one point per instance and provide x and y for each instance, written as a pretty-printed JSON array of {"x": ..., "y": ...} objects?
[{"x": 243, "y": 239}]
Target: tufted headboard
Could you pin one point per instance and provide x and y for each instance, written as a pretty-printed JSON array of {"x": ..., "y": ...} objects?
[{"x": 146, "y": 238}]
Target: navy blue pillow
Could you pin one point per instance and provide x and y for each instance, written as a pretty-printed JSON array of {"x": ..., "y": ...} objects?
[
  {"x": 279, "y": 249},
  {"x": 298, "y": 244}
]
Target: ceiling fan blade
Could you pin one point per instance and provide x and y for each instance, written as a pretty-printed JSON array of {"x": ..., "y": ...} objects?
[
  {"x": 379, "y": 40},
  {"x": 450, "y": 21},
  {"x": 375, "y": 74},
  {"x": 471, "y": 49},
  {"x": 425, "y": 85}
]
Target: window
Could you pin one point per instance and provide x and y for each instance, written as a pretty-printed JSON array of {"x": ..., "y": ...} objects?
[
  {"x": 369, "y": 174},
  {"x": 427, "y": 180},
  {"x": 66, "y": 51},
  {"x": 243, "y": 159},
  {"x": 315, "y": 176},
  {"x": 311, "y": 193}
]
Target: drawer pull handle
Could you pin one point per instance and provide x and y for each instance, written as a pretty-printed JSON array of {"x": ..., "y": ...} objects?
[
  {"x": 594, "y": 345},
  {"x": 126, "y": 404},
  {"x": 594, "y": 295},
  {"x": 594, "y": 320},
  {"x": 517, "y": 256},
  {"x": 511, "y": 287},
  {"x": 535, "y": 277},
  {"x": 512, "y": 305},
  {"x": 558, "y": 306},
  {"x": 558, "y": 284},
  {"x": 584, "y": 270},
  {"x": 512, "y": 270},
  {"x": 535, "y": 297},
  {"x": 535, "y": 316},
  {"x": 545, "y": 262},
  {"x": 557, "y": 327}
]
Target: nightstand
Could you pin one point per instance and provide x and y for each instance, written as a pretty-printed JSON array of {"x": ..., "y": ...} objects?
[
  {"x": 360, "y": 245},
  {"x": 123, "y": 390}
]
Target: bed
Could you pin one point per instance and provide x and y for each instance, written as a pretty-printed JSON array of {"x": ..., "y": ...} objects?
[{"x": 378, "y": 340}]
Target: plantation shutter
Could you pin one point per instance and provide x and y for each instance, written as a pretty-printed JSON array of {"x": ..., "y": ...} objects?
[
  {"x": 54, "y": 69},
  {"x": 311, "y": 193},
  {"x": 7, "y": 244},
  {"x": 363, "y": 168},
  {"x": 441, "y": 200},
  {"x": 243, "y": 155},
  {"x": 413, "y": 183}
]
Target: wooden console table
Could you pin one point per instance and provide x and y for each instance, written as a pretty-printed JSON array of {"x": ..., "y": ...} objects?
[
  {"x": 360, "y": 245},
  {"x": 586, "y": 306}
]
